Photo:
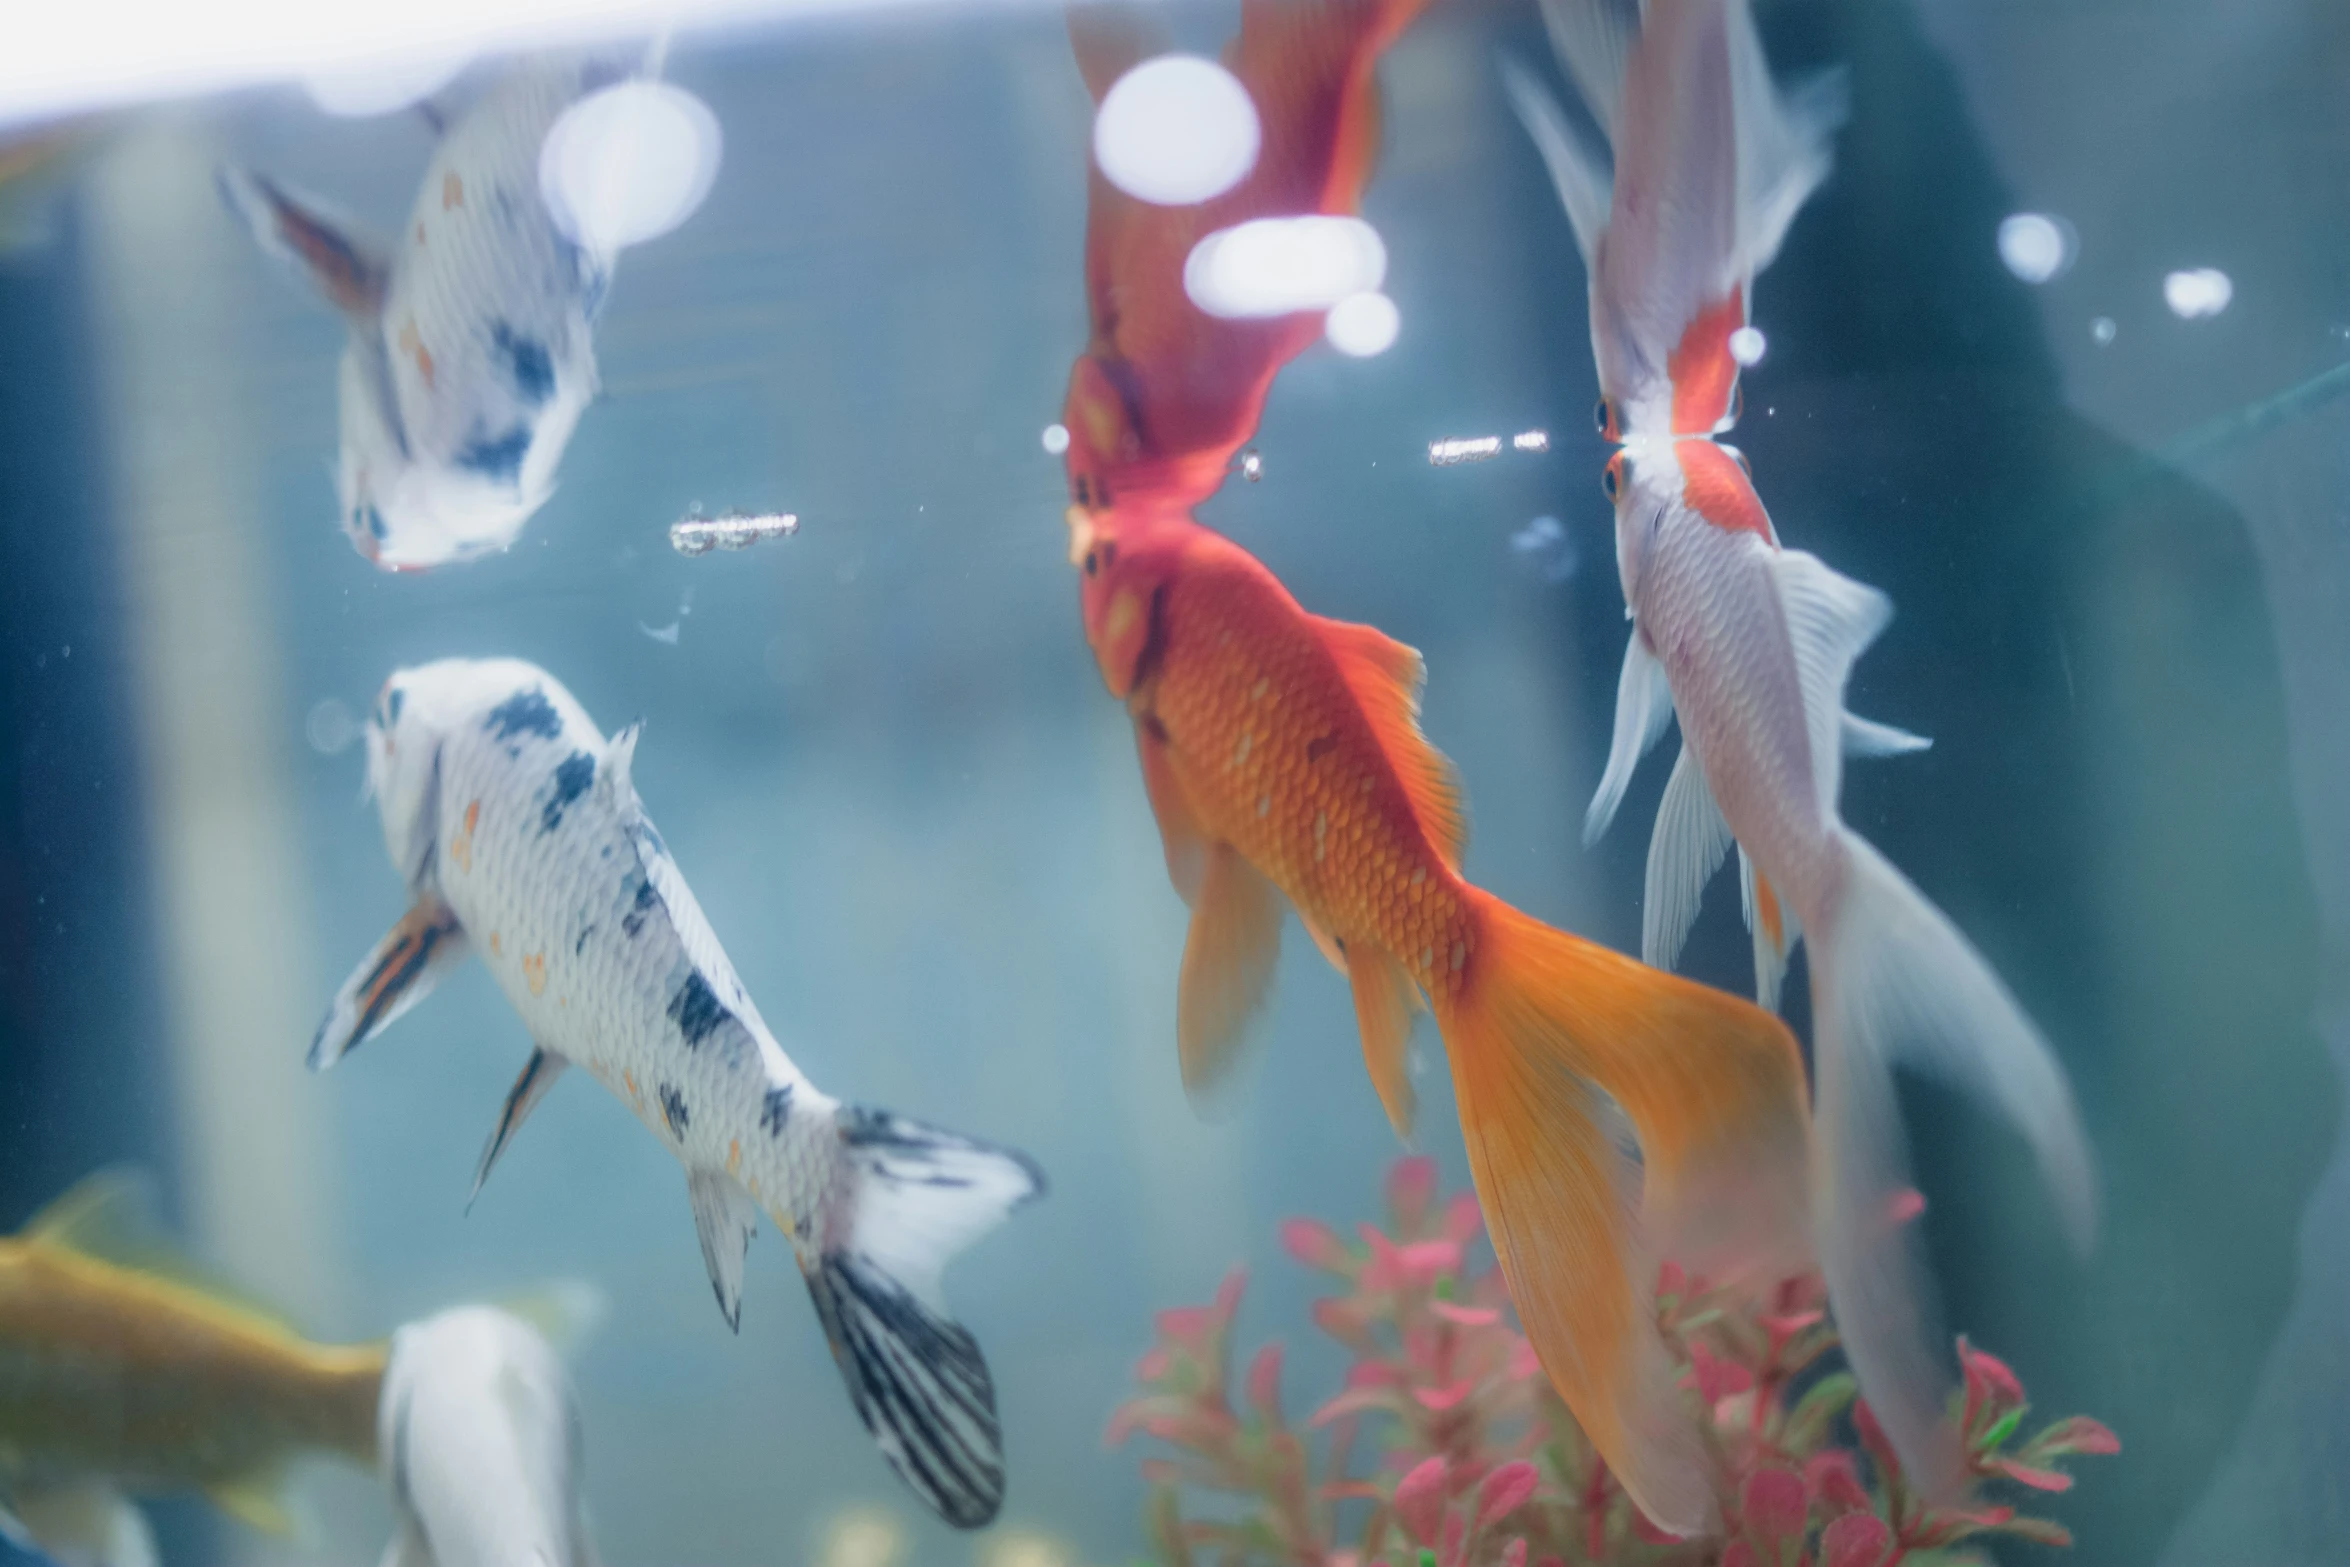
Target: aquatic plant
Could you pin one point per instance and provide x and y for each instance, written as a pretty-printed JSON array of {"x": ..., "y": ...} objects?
[{"x": 1446, "y": 1447}]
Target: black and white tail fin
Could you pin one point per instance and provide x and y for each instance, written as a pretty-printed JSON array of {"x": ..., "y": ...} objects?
[
  {"x": 1893, "y": 981},
  {"x": 917, "y": 1195}
]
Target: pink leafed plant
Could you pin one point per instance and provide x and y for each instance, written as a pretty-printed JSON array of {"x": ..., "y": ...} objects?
[{"x": 1446, "y": 1446}]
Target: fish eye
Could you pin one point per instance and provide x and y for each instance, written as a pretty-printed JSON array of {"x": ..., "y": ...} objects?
[
  {"x": 1092, "y": 561},
  {"x": 1603, "y": 415},
  {"x": 1611, "y": 480}
]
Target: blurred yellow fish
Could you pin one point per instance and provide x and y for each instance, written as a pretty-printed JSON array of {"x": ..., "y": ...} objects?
[{"x": 119, "y": 1375}]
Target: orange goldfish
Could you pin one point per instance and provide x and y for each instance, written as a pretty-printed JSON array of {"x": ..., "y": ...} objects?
[
  {"x": 1283, "y": 757},
  {"x": 1164, "y": 394}
]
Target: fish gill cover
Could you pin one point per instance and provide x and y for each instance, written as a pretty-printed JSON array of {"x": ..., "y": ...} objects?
[{"x": 1446, "y": 1447}]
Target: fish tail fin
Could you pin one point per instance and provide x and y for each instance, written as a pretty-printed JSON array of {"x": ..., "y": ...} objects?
[
  {"x": 1894, "y": 981},
  {"x": 1546, "y": 1031},
  {"x": 1311, "y": 69},
  {"x": 911, "y": 1197}
]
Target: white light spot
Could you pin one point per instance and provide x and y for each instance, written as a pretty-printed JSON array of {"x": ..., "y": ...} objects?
[
  {"x": 2202, "y": 292},
  {"x": 1252, "y": 465},
  {"x": 2102, "y": 329},
  {"x": 629, "y": 164},
  {"x": 330, "y": 727},
  {"x": 664, "y": 634},
  {"x": 1531, "y": 440},
  {"x": 2035, "y": 246},
  {"x": 358, "y": 90},
  {"x": 1747, "y": 345},
  {"x": 1056, "y": 438},
  {"x": 1456, "y": 449},
  {"x": 1273, "y": 266},
  {"x": 1361, "y": 325},
  {"x": 1176, "y": 130}
]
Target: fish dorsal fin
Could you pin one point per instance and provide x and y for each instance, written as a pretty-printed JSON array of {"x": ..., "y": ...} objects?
[
  {"x": 109, "y": 1217},
  {"x": 1831, "y": 619},
  {"x": 1386, "y": 678}
]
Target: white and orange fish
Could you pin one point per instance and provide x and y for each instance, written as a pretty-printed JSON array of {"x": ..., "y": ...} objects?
[
  {"x": 523, "y": 843},
  {"x": 472, "y": 352},
  {"x": 1750, "y": 644}
]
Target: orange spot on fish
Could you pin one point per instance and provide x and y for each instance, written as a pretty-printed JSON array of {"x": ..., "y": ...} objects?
[
  {"x": 420, "y": 234},
  {"x": 734, "y": 1157},
  {"x": 413, "y": 346},
  {"x": 461, "y": 846},
  {"x": 534, "y": 972},
  {"x": 452, "y": 192},
  {"x": 1766, "y": 909},
  {"x": 1718, "y": 490},
  {"x": 495, "y": 949},
  {"x": 1701, "y": 369}
]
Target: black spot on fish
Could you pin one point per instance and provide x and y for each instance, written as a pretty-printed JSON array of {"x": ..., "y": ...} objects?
[
  {"x": 527, "y": 361},
  {"x": 639, "y": 908},
  {"x": 673, "y": 1109},
  {"x": 696, "y": 1009},
  {"x": 572, "y": 776},
  {"x": 525, "y": 713},
  {"x": 1320, "y": 746},
  {"x": 496, "y": 458},
  {"x": 580, "y": 945},
  {"x": 775, "y": 1110},
  {"x": 394, "y": 700},
  {"x": 366, "y": 519},
  {"x": 650, "y": 840}
]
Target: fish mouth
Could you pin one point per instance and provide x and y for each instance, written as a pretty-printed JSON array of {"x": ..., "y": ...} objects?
[{"x": 1083, "y": 533}]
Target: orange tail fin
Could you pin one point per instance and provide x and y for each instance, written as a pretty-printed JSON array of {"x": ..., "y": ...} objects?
[{"x": 1548, "y": 1029}]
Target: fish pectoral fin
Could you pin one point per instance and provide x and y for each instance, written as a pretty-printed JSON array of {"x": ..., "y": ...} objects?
[
  {"x": 258, "y": 1501},
  {"x": 350, "y": 269},
  {"x": 725, "y": 1217},
  {"x": 415, "y": 956},
  {"x": 1773, "y": 927},
  {"x": 1385, "y": 677},
  {"x": 538, "y": 1075},
  {"x": 1644, "y": 705},
  {"x": 1179, "y": 829},
  {"x": 1227, "y": 967},
  {"x": 85, "y": 1523},
  {"x": 1690, "y": 843},
  {"x": 1865, "y": 737},
  {"x": 1385, "y": 999}
]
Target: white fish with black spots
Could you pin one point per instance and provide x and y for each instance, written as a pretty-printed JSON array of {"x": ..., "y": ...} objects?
[
  {"x": 480, "y": 1437},
  {"x": 472, "y": 353},
  {"x": 523, "y": 842}
]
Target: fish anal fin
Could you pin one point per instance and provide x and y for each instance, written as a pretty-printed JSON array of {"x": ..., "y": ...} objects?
[
  {"x": 1385, "y": 1000},
  {"x": 1773, "y": 927},
  {"x": 416, "y": 955},
  {"x": 1386, "y": 678},
  {"x": 538, "y": 1075},
  {"x": 1867, "y": 738},
  {"x": 1831, "y": 620},
  {"x": 1228, "y": 964},
  {"x": 1179, "y": 830},
  {"x": 1644, "y": 705},
  {"x": 1689, "y": 845},
  {"x": 725, "y": 1218},
  {"x": 258, "y": 1501}
]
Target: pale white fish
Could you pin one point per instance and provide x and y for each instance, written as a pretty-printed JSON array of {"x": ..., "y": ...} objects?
[
  {"x": 1705, "y": 164},
  {"x": 523, "y": 843},
  {"x": 472, "y": 352},
  {"x": 1752, "y": 644},
  {"x": 480, "y": 1437}
]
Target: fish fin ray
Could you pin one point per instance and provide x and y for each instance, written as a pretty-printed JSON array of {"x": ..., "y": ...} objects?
[
  {"x": 1593, "y": 40},
  {"x": 1831, "y": 620},
  {"x": 539, "y": 1074},
  {"x": 1773, "y": 926},
  {"x": 1386, "y": 678},
  {"x": 1785, "y": 141},
  {"x": 1228, "y": 962},
  {"x": 1585, "y": 184},
  {"x": 1644, "y": 705},
  {"x": 417, "y": 954},
  {"x": 1547, "y": 1029},
  {"x": 1866, "y": 738},
  {"x": 1180, "y": 834},
  {"x": 1385, "y": 1000},
  {"x": 725, "y": 1218},
  {"x": 916, "y": 1377},
  {"x": 349, "y": 268},
  {"x": 1688, "y": 847},
  {"x": 1897, "y": 983}
]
